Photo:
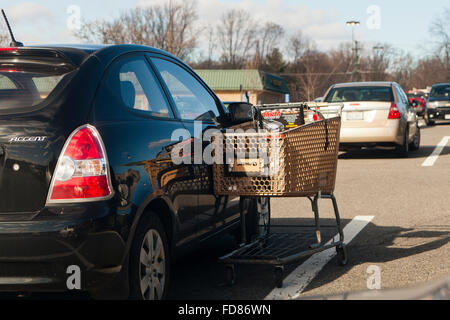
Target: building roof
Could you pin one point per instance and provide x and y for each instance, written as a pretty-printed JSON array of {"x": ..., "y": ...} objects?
[{"x": 231, "y": 80}]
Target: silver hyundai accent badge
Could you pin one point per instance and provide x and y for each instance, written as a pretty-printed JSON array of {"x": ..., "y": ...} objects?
[{"x": 28, "y": 139}]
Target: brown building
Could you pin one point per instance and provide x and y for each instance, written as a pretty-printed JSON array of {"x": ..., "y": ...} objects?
[{"x": 255, "y": 86}]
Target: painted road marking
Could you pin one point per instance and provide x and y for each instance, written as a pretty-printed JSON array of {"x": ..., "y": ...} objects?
[
  {"x": 429, "y": 162},
  {"x": 298, "y": 280}
]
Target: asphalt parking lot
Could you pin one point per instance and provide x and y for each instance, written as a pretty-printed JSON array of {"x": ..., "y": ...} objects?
[
  {"x": 406, "y": 233},
  {"x": 407, "y": 238}
]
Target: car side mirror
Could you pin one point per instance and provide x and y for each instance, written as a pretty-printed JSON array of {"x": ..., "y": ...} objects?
[{"x": 240, "y": 112}]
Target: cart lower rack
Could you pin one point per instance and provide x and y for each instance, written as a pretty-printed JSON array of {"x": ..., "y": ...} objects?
[
  {"x": 279, "y": 249},
  {"x": 299, "y": 162}
]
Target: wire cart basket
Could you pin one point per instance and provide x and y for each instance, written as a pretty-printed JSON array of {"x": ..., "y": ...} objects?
[{"x": 298, "y": 161}]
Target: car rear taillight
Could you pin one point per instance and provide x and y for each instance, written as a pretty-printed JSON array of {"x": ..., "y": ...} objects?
[
  {"x": 82, "y": 172},
  {"x": 393, "y": 112},
  {"x": 8, "y": 49}
]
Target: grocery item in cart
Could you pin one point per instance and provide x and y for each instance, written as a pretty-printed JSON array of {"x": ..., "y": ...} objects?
[{"x": 289, "y": 118}]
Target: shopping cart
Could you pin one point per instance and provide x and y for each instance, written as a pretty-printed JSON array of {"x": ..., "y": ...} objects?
[{"x": 297, "y": 162}]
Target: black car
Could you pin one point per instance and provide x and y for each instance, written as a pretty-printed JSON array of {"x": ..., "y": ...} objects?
[
  {"x": 438, "y": 103},
  {"x": 87, "y": 183}
]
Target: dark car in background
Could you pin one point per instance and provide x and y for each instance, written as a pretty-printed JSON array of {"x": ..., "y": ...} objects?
[
  {"x": 438, "y": 104},
  {"x": 87, "y": 179}
]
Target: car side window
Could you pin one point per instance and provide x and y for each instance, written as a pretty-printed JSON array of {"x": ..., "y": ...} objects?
[
  {"x": 133, "y": 83},
  {"x": 6, "y": 83},
  {"x": 191, "y": 98},
  {"x": 405, "y": 98},
  {"x": 402, "y": 96}
]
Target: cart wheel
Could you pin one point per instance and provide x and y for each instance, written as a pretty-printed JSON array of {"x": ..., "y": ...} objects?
[
  {"x": 278, "y": 274},
  {"x": 230, "y": 274},
  {"x": 342, "y": 255}
]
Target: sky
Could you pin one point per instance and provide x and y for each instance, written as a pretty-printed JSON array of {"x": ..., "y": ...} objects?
[{"x": 401, "y": 23}]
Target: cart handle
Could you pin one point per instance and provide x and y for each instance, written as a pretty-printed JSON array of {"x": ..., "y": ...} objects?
[
  {"x": 258, "y": 119},
  {"x": 325, "y": 121}
]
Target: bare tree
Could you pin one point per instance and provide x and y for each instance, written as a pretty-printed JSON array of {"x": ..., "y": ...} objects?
[
  {"x": 427, "y": 72},
  {"x": 377, "y": 62},
  {"x": 440, "y": 33},
  {"x": 298, "y": 44},
  {"x": 4, "y": 37},
  {"x": 174, "y": 27},
  {"x": 130, "y": 27},
  {"x": 311, "y": 72},
  {"x": 4, "y": 40},
  {"x": 402, "y": 70},
  {"x": 236, "y": 34},
  {"x": 268, "y": 38},
  {"x": 304, "y": 67},
  {"x": 170, "y": 27},
  {"x": 212, "y": 44}
]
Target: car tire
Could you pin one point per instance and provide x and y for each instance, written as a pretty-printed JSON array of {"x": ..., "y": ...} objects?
[
  {"x": 403, "y": 150},
  {"x": 150, "y": 269},
  {"x": 415, "y": 144},
  {"x": 256, "y": 224}
]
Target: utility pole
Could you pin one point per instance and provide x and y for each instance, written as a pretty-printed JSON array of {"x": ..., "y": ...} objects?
[{"x": 355, "y": 63}]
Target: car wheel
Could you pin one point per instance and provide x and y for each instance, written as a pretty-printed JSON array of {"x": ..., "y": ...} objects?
[
  {"x": 415, "y": 144},
  {"x": 257, "y": 219},
  {"x": 150, "y": 261},
  {"x": 426, "y": 117},
  {"x": 263, "y": 214},
  {"x": 403, "y": 149}
]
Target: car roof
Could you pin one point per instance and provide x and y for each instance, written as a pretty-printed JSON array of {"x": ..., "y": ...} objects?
[
  {"x": 87, "y": 48},
  {"x": 441, "y": 84},
  {"x": 364, "y": 84},
  {"x": 78, "y": 53}
]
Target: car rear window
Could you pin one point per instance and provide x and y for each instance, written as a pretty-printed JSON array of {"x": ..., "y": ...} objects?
[
  {"x": 355, "y": 94},
  {"x": 22, "y": 90},
  {"x": 440, "y": 92},
  {"x": 414, "y": 95}
]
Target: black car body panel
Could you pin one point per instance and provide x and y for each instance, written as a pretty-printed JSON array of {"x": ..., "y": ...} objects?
[{"x": 39, "y": 241}]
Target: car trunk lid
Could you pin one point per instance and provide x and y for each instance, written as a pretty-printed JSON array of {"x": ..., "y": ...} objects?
[
  {"x": 365, "y": 114},
  {"x": 24, "y": 165},
  {"x": 30, "y": 139}
]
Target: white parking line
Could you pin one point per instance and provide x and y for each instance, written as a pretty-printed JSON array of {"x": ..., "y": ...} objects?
[
  {"x": 298, "y": 280},
  {"x": 434, "y": 156}
]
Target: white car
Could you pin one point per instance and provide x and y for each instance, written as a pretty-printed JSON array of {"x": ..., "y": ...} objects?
[{"x": 375, "y": 114}]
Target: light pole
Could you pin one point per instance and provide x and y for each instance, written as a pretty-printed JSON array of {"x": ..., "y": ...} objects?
[
  {"x": 378, "y": 49},
  {"x": 353, "y": 24}
]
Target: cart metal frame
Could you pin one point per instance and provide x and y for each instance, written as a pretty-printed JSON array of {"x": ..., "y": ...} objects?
[
  {"x": 260, "y": 252},
  {"x": 266, "y": 249}
]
